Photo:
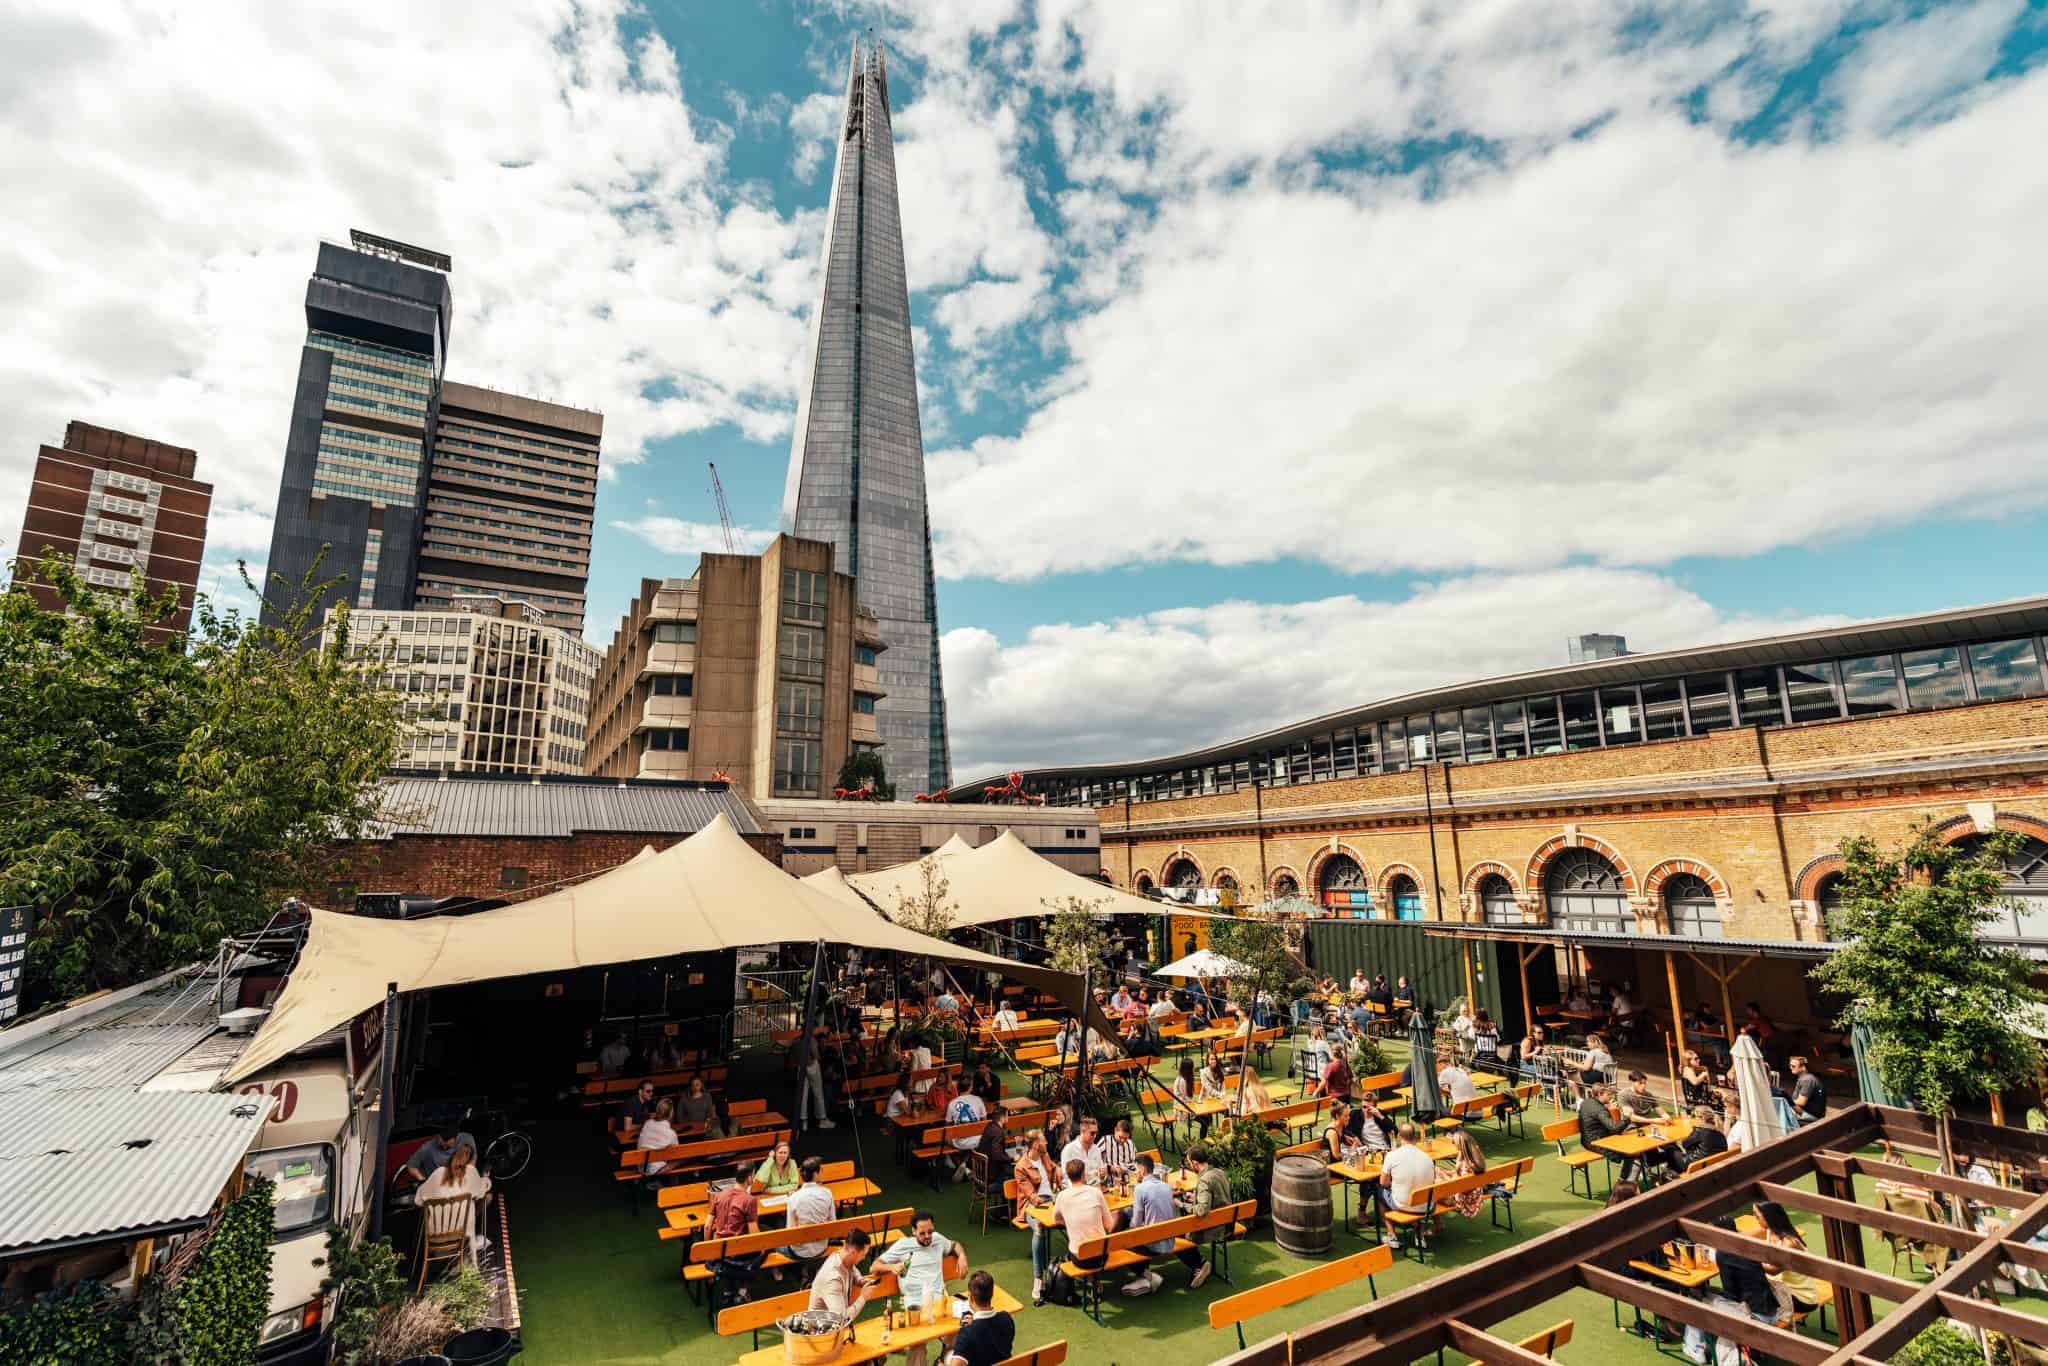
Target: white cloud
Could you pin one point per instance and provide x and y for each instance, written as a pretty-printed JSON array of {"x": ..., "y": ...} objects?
[
  {"x": 1647, "y": 344},
  {"x": 965, "y": 210},
  {"x": 1932, "y": 64},
  {"x": 675, "y": 536},
  {"x": 977, "y": 312},
  {"x": 814, "y": 124},
  {"x": 1174, "y": 680},
  {"x": 164, "y": 222}
]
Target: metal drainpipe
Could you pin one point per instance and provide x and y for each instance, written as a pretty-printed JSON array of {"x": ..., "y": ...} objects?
[
  {"x": 1259, "y": 829},
  {"x": 1429, "y": 819}
]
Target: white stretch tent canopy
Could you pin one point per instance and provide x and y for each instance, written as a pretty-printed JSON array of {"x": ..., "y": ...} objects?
[
  {"x": 711, "y": 891},
  {"x": 1004, "y": 879}
]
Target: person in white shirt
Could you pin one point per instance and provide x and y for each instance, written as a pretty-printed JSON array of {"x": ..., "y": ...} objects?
[
  {"x": 967, "y": 1108},
  {"x": 1162, "y": 1007},
  {"x": 657, "y": 1133},
  {"x": 1006, "y": 1017},
  {"x": 1120, "y": 1002},
  {"x": 921, "y": 1061},
  {"x": 1083, "y": 1148},
  {"x": 1405, "y": 1170},
  {"x": 613, "y": 1056},
  {"x": 900, "y": 1102},
  {"x": 460, "y": 1178},
  {"x": 1455, "y": 1080},
  {"x": 1462, "y": 1026},
  {"x": 1359, "y": 986},
  {"x": 810, "y": 1203},
  {"x": 1738, "y": 1130},
  {"x": 1579, "y": 1002}
]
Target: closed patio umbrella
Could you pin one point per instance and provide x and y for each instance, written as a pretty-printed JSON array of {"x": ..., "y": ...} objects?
[
  {"x": 1869, "y": 1085},
  {"x": 1753, "y": 1089},
  {"x": 1425, "y": 1097}
]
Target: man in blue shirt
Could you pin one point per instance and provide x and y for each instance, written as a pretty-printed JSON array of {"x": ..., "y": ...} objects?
[
  {"x": 433, "y": 1155},
  {"x": 1151, "y": 1203}
]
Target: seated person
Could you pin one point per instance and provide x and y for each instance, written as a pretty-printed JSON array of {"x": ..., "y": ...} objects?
[
  {"x": 1599, "y": 1119},
  {"x": 433, "y": 1155},
  {"x": 839, "y": 1288},
  {"x": 1704, "y": 1141},
  {"x": 613, "y": 1057},
  {"x": 1404, "y": 995},
  {"x": 1637, "y": 1103},
  {"x": 812, "y": 1203},
  {"x": 637, "y": 1107},
  {"x": 658, "y": 1133},
  {"x": 1455, "y": 1081},
  {"x": 778, "y": 1173},
  {"x": 1006, "y": 1017},
  {"x": 988, "y": 1335}
]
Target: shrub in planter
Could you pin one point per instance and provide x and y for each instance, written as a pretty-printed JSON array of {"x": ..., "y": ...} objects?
[{"x": 1247, "y": 1154}]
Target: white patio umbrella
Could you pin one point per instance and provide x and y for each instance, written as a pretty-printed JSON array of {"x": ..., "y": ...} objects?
[
  {"x": 1753, "y": 1089},
  {"x": 1203, "y": 963}
]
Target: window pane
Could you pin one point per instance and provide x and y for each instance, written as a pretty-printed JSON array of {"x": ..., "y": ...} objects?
[
  {"x": 1281, "y": 774},
  {"x": 1706, "y": 698},
  {"x": 1368, "y": 749},
  {"x": 1545, "y": 736},
  {"x": 1450, "y": 744},
  {"x": 1581, "y": 721},
  {"x": 1758, "y": 691},
  {"x": 1394, "y": 745},
  {"x": 2006, "y": 668},
  {"x": 1663, "y": 711},
  {"x": 1619, "y": 716},
  {"x": 1510, "y": 736},
  {"x": 1319, "y": 756},
  {"x": 1810, "y": 690},
  {"x": 1870, "y": 686},
  {"x": 1346, "y": 750},
  {"x": 1478, "y": 737},
  {"x": 1934, "y": 678},
  {"x": 1419, "y": 737}
]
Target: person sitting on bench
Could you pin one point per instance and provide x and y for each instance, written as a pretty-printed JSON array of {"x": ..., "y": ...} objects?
[{"x": 1151, "y": 1203}]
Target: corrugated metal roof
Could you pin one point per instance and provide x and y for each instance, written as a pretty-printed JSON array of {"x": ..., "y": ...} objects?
[
  {"x": 1538, "y": 934},
  {"x": 469, "y": 805},
  {"x": 97, "y": 1164}
]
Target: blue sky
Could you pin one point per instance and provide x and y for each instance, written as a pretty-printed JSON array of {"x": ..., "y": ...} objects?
[{"x": 1273, "y": 356}]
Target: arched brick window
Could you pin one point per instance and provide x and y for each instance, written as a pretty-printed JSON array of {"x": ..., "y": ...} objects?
[
  {"x": 2025, "y": 888},
  {"x": 1497, "y": 904},
  {"x": 1585, "y": 892},
  {"x": 1690, "y": 904}
]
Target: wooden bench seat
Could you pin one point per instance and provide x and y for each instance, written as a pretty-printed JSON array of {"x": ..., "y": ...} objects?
[
  {"x": 1125, "y": 1250},
  {"x": 701, "y": 1268},
  {"x": 1052, "y": 1354},
  {"x": 1493, "y": 1103},
  {"x": 1547, "y": 1342},
  {"x": 1436, "y": 1197},
  {"x": 1576, "y": 1161},
  {"x": 685, "y": 1158},
  {"x": 614, "y": 1090},
  {"x": 937, "y": 1141},
  {"x": 1232, "y": 1310},
  {"x": 695, "y": 1198}
]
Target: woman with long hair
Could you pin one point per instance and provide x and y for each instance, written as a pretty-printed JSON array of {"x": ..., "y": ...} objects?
[
  {"x": 1797, "y": 1292},
  {"x": 1186, "y": 1091},
  {"x": 1696, "y": 1080},
  {"x": 657, "y": 1133},
  {"x": 1467, "y": 1160},
  {"x": 461, "y": 1178},
  {"x": 1038, "y": 1180}
]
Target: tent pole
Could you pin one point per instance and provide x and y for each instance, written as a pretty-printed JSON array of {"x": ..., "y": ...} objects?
[
  {"x": 806, "y": 1049},
  {"x": 386, "y": 1051},
  {"x": 1081, "y": 1030}
]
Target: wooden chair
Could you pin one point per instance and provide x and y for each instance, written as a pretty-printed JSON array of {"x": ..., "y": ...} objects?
[
  {"x": 1546, "y": 1343},
  {"x": 989, "y": 1196},
  {"x": 1919, "y": 1255},
  {"x": 444, "y": 1233},
  {"x": 1232, "y": 1310},
  {"x": 1052, "y": 1354}
]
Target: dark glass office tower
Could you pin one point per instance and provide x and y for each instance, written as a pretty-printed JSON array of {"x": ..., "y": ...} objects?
[
  {"x": 856, "y": 468},
  {"x": 356, "y": 456}
]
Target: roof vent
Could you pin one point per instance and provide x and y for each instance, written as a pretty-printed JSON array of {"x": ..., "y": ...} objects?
[{"x": 243, "y": 1021}]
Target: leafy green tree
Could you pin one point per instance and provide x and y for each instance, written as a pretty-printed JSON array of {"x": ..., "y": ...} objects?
[
  {"x": 157, "y": 796},
  {"x": 1944, "y": 1007},
  {"x": 1268, "y": 969},
  {"x": 1075, "y": 940},
  {"x": 865, "y": 766}
]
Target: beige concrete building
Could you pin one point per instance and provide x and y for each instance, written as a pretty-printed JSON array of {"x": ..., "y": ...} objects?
[
  {"x": 511, "y": 489},
  {"x": 762, "y": 669},
  {"x": 489, "y": 687},
  {"x": 864, "y": 837}
]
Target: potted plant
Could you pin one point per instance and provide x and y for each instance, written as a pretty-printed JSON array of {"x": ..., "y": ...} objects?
[{"x": 1247, "y": 1153}]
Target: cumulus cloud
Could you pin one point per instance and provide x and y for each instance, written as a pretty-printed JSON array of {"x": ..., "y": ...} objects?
[
  {"x": 674, "y": 536},
  {"x": 163, "y": 221},
  {"x": 1174, "y": 680},
  {"x": 1641, "y": 345}
]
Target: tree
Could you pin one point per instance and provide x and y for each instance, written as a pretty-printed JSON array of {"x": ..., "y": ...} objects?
[
  {"x": 863, "y": 767},
  {"x": 929, "y": 910},
  {"x": 1943, "y": 1007},
  {"x": 159, "y": 796},
  {"x": 1075, "y": 940},
  {"x": 1260, "y": 948}
]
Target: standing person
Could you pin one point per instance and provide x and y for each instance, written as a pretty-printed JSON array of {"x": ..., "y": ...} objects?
[
  {"x": 1809, "y": 1096},
  {"x": 1463, "y": 1027},
  {"x": 1151, "y": 1203},
  {"x": 1082, "y": 1211},
  {"x": 1485, "y": 1040},
  {"x": 811, "y": 1204},
  {"x": 920, "y": 1257},
  {"x": 988, "y": 1335},
  {"x": 834, "y": 1289},
  {"x": 1406, "y": 1170},
  {"x": 1598, "y": 1121},
  {"x": 658, "y": 1133},
  {"x": 734, "y": 1211},
  {"x": 1039, "y": 1179},
  {"x": 810, "y": 1092},
  {"x": 1212, "y": 1192},
  {"x": 460, "y": 1178}
]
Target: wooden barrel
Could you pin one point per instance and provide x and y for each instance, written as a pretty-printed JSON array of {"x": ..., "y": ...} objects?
[{"x": 1302, "y": 1210}]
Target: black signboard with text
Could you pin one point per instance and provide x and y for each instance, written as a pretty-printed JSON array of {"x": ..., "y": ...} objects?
[{"x": 15, "y": 923}]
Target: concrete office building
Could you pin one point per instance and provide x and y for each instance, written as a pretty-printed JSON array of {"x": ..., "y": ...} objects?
[
  {"x": 856, "y": 468},
  {"x": 490, "y": 688},
  {"x": 355, "y": 463},
  {"x": 108, "y": 503},
  {"x": 763, "y": 668},
  {"x": 511, "y": 490}
]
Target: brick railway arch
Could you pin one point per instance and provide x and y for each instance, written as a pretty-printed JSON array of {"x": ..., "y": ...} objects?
[
  {"x": 1143, "y": 881},
  {"x": 1958, "y": 828},
  {"x": 1539, "y": 862},
  {"x": 1654, "y": 880},
  {"x": 1183, "y": 870},
  {"x": 1285, "y": 881},
  {"x": 1469, "y": 897},
  {"x": 1806, "y": 886},
  {"x": 1383, "y": 889},
  {"x": 1226, "y": 877},
  {"x": 1318, "y": 865}
]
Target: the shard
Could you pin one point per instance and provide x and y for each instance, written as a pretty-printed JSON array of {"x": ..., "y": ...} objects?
[{"x": 856, "y": 466}]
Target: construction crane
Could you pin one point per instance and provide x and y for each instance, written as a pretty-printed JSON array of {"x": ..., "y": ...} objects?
[{"x": 724, "y": 513}]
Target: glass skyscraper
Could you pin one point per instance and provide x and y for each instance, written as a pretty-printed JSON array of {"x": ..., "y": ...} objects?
[{"x": 856, "y": 469}]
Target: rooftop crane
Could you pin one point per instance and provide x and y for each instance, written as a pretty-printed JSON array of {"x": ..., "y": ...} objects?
[{"x": 724, "y": 513}]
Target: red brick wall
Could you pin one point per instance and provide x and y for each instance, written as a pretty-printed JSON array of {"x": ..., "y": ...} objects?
[{"x": 469, "y": 865}]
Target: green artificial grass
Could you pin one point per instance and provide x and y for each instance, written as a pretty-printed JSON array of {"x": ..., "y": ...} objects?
[{"x": 597, "y": 1286}]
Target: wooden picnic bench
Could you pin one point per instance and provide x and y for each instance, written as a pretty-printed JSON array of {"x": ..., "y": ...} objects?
[
  {"x": 1126, "y": 1250},
  {"x": 684, "y": 1158},
  {"x": 701, "y": 1269},
  {"x": 935, "y": 1142},
  {"x": 1052, "y": 1354},
  {"x": 1575, "y": 1162},
  {"x": 1496, "y": 1183},
  {"x": 613, "y": 1090},
  {"x": 1232, "y": 1310},
  {"x": 685, "y": 1209}
]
